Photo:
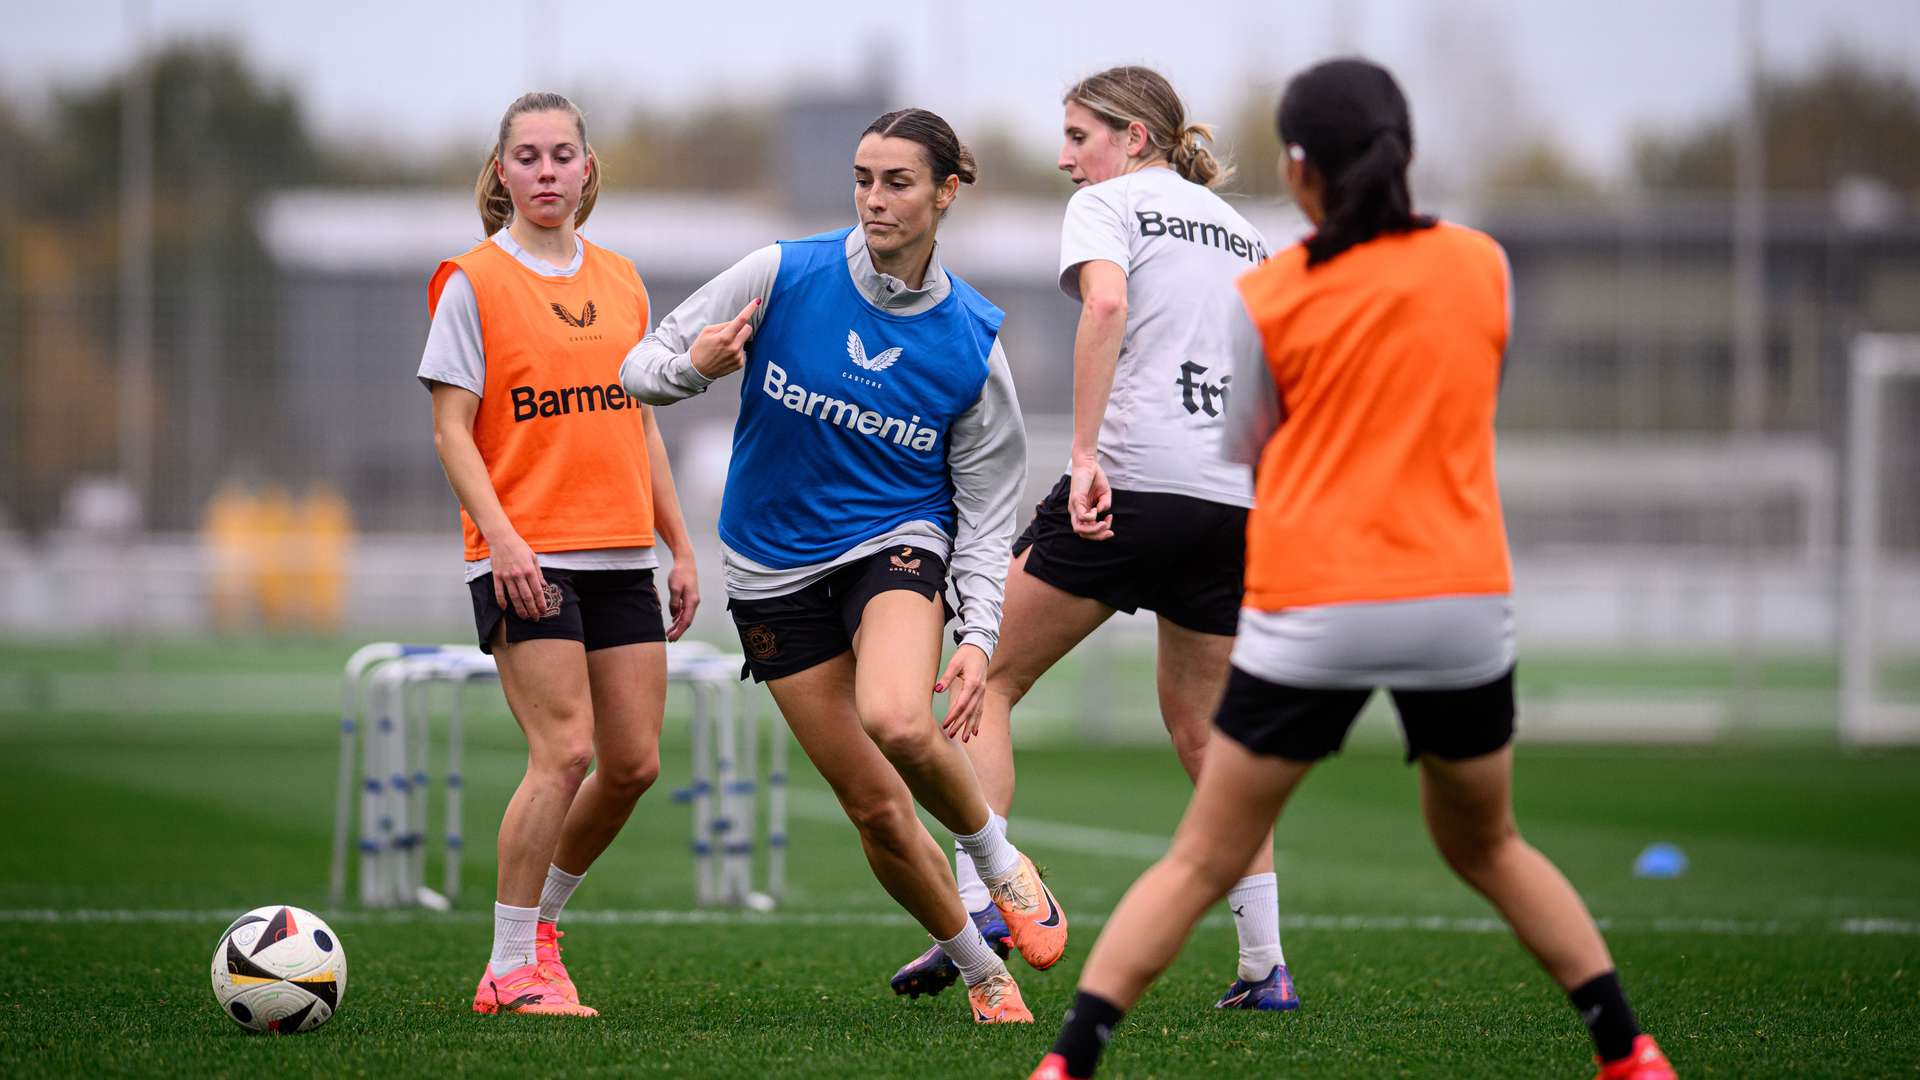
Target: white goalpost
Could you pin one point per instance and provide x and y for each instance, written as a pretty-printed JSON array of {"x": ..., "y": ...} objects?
[{"x": 1867, "y": 716}]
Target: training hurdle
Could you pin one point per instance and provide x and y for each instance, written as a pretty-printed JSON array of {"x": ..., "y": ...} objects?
[{"x": 387, "y": 707}]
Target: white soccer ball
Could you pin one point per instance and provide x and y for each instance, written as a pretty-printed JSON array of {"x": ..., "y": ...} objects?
[{"x": 279, "y": 969}]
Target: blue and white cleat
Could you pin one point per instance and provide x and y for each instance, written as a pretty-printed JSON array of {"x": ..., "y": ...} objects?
[
  {"x": 1274, "y": 993},
  {"x": 931, "y": 972}
]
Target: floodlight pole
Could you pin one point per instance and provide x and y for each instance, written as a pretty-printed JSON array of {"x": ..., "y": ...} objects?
[
  {"x": 1749, "y": 235},
  {"x": 1749, "y": 332},
  {"x": 136, "y": 265},
  {"x": 203, "y": 337},
  {"x": 135, "y": 434}
]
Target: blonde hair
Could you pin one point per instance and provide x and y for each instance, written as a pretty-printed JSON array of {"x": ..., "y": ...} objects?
[
  {"x": 1123, "y": 95},
  {"x": 491, "y": 197}
]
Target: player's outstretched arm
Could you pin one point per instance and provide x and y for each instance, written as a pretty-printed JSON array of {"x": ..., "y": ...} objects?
[{"x": 706, "y": 336}]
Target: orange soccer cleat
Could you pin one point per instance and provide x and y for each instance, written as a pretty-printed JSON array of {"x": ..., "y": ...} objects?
[
  {"x": 546, "y": 956},
  {"x": 996, "y": 1000},
  {"x": 524, "y": 990},
  {"x": 1035, "y": 923}
]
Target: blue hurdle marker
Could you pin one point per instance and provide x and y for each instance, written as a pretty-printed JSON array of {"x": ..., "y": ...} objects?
[
  {"x": 387, "y": 708},
  {"x": 721, "y": 789}
]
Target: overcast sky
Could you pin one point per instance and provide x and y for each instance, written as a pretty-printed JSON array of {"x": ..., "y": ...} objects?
[{"x": 1478, "y": 71}]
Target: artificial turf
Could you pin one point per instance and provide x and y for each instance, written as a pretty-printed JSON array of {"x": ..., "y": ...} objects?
[{"x": 1791, "y": 947}]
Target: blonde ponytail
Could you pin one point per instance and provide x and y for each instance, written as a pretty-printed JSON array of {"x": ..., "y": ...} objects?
[
  {"x": 490, "y": 195},
  {"x": 589, "y": 194},
  {"x": 1194, "y": 159}
]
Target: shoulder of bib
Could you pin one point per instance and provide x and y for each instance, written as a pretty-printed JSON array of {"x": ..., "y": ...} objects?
[
  {"x": 466, "y": 262},
  {"x": 809, "y": 255},
  {"x": 1473, "y": 241},
  {"x": 610, "y": 260},
  {"x": 620, "y": 267},
  {"x": 984, "y": 313},
  {"x": 1262, "y": 286}
]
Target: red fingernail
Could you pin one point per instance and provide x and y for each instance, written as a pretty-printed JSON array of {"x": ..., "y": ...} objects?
[{"x": 939, "y": 686}]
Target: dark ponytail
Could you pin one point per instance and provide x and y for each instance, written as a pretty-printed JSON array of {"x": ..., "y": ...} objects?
[{"x": 1350, "y": 122}]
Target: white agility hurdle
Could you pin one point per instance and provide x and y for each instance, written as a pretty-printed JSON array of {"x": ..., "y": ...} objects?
[{"x": 387, "y": 708}]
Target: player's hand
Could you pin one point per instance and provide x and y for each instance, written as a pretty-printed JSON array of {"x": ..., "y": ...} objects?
[
  {"x": 965, "y": 683},
  {"x": 683, "y": 595},
  {"x": 721, "y": 349},
  {"x": 1090, "y": 501},
  {"x": 517, "y": 580}
]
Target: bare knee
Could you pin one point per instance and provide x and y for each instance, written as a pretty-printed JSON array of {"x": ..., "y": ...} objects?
[
  {"x": 905, "y": 734},
  {"x": 1009, "y": 685},
  {"x": 564, "y": 761},
  {"x": 1189, "y": 744},
  {"x": 631, "y": 778},
  {"x": 884, "y": 822},
  {"x": 1472, "y": 853},
  {"x": 1204, "y": 869}
]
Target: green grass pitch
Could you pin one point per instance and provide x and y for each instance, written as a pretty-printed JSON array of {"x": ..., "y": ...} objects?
[{"x": 1792, "y": 948}]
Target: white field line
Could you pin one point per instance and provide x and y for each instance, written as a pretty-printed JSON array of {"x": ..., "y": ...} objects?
[
  {"x": 1446, "y": 924},
  {"x": 1025, "y": 831}
]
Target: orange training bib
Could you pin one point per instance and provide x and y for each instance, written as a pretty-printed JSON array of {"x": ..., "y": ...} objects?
[
  {"x": 565, "y": 446},
  {"x": 1380, "y": 483}
]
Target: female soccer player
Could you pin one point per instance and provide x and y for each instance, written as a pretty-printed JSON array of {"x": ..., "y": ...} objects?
[
  {"x": 1148, "y": 514},
  {"x": 1365, "y": 398},
  {"x": 563, "y": 484},
  {"x": 878, "y": 439}
]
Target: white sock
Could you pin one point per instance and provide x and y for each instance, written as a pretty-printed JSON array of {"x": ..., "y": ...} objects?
[
  {"x": 556, "y": 892},
  {"x": 512, "y": 936},
  {"x": 1255, "y": 902},
  {"x": 973, "y": 891},
  {"x": 992, "y": 856},
  {"x": 972, "y": 955}
]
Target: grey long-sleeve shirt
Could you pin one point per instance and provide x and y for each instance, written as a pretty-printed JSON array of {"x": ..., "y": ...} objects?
[
  {"x": 1254, "y": 408},
  {"x": 986, "y": 452}
]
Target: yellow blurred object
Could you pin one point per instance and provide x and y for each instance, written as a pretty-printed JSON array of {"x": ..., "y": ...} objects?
[
  {"x": 272, "y": 561},
  {"x": 226, "y": 534},
  {"x": 276, "y": 561},
  {"x": 326, "y": 534}
]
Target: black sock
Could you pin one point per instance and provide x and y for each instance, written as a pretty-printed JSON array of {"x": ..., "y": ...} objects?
[
  {"x": 1088, "y": 1026},
  {"x": 1609, "y": 1019}
]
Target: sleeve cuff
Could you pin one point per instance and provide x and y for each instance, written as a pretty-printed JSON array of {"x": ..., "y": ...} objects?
[
  {"x": 984, "y": 640},
  {"x": 451, "y": 378},
  {"x": 688, "y": 375}
]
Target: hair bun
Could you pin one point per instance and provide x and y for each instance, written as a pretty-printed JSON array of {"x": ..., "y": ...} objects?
[{"x": 1193, "y": 157}]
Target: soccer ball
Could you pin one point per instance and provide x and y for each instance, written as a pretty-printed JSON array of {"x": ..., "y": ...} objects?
[{"x": 279, "y": 969}]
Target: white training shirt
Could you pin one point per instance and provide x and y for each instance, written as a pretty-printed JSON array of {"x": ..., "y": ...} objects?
[
  {"x": 1181, "y": 247},
  {"x": 456, "y": 355}
]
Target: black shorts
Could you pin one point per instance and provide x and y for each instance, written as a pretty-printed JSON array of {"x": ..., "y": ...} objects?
[
  {"x": 598, "y": 608},
  {"x": 1306, "y": 724},
  {"x": 1177, "y": 556},
  {"x": 785, "y": 635}
]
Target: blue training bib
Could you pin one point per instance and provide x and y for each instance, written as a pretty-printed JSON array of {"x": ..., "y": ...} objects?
[{"x": 845, "y": 411}]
